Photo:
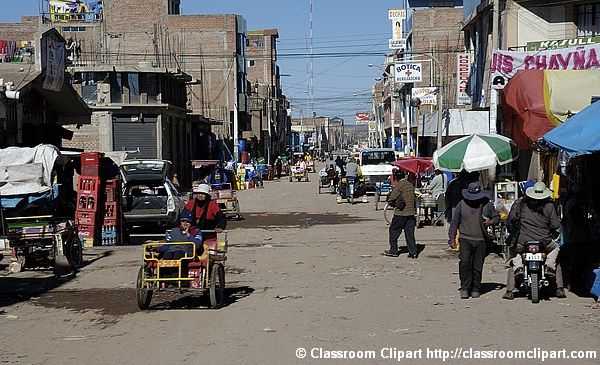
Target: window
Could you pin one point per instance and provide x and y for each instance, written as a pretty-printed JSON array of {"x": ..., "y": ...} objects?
[
  {"x": 251, "y": 63},
  {"x": 116, "y": 88},
  {"x": 89, "y": 89},
  {"x": 133, "y": 81},
  {"x": 73, "y": 29},
  {"x": 174, "y": 7},
  {"x": 588, "y": 20},
  {"x": 257, "y": 42},
  {"x": 152, "y": 88}
]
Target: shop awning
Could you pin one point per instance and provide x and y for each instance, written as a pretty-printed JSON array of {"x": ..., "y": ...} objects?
[
  {"x": 580, "y": 135},
  {"x": 536, "y": 101}
]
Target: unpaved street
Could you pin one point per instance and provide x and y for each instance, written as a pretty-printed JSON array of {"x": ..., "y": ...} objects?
[{"x": 302, "y": 272}]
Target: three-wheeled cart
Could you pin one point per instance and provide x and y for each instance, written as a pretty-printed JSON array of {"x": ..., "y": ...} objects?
[{"x": 203, "y": 274}]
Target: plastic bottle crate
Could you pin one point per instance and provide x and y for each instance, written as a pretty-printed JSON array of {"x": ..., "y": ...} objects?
[
  {"x": 87, "y": 233},
  {"x": 113, "y": 191},
  {"x": 90, "y": 171},
  {"x": 87, "y": 218},
  {"x": 112, "y": 210},
  {"x": 88, "y": 185},
  {"x": 110, "y": 235},
  {"x": 87, "y": 202},
  {"x": 91, "y": 159}
]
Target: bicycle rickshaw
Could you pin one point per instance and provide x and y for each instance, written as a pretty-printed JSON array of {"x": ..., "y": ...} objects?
[
  {"x": 204, "y": 274},
  {"x": 221, "y": 188}
]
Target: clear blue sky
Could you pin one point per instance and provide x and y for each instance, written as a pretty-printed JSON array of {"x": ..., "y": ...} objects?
[{"x": 339, "y": 26}]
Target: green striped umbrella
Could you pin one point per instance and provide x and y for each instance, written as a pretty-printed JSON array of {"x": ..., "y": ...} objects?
[{"x": 475, "y": 153}]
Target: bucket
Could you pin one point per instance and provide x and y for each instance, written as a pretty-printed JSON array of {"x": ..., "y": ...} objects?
[{"x": 262, "y": 169}]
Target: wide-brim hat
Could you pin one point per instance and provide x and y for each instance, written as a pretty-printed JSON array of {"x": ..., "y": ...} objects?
[
  {"x": 474, "y": 192},
  {"x": 538, "y": 191},
  {"x": 202, "y": 189}
]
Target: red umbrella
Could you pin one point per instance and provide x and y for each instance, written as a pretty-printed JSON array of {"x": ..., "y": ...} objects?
[{"x": 414, "y": 165}]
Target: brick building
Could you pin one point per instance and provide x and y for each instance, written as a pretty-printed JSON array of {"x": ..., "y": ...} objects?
[{"x": 269, "y": 115}]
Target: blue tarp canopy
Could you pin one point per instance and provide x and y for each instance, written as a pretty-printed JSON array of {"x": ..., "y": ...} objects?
[{"x": 580, "y": 134}]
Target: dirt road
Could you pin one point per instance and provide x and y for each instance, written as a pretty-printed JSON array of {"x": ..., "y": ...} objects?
[{"x": 302, "y": 272}]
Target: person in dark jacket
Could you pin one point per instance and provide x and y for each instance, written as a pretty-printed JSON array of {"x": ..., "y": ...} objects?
[
  {"x": 403, "y": 198},
  {"x": 454, "y": 190},
  {"x": 206, "y": 212},
  {"x": 535, "y": 218},
  {"x": 185, "y": 232},
  {"x": 471, "y": 216}
]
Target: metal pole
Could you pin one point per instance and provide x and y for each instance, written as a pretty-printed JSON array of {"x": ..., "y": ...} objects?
[
  {"x": 393, "y": 107},
  {"x": 495, "y": 46},
  {"x": 236, "y": 148},
  {"x": 439, "y": 105}
]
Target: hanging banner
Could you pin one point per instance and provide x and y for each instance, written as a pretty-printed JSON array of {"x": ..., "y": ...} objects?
[
  {"x": 408, "y": 72},
  {"x": 463, "y": 70},
  {"x": 397, "y": 17},
  {"x": 362, "y": 118},
  {"x": 55, "y": 65},
  {"x": 506, "y": 63},
  {"x": 428, "y": 95}
]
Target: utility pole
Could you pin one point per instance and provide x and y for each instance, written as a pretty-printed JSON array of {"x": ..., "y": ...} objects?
[
  {"x": 236, "y": 148},
  {"x": 393, "y": 108}
]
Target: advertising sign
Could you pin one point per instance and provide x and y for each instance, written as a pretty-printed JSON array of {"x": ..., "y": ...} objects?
[
  {"x": 372, "y": 126},
  {"x": 397, "y": 14},
  {"x": 362, "y": 118},
  {"x": 562, "y": 43},
  {"x": 506, "y": 63},
  {"x": 428, "y": 95},
  {"x": 397, "y": 44},
  {"x": 463, "y": 70},
  {"x": 55, "y": 65},
  {"x": 408, "y": 72}
]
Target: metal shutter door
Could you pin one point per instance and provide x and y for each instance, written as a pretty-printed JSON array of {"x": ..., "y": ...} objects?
[{"x": 129, "y": 135}]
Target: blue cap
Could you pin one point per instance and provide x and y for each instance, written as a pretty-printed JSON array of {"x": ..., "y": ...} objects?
[{"x": 187, "y": 216}]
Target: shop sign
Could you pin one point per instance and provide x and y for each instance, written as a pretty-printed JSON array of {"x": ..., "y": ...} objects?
[
  {"x": 397, "y": 14},
  {"x": 506, "y": 63},
  {"x": 428, "y": 95},
  {"x": 562, "y": 43},
  {"x": 408, "y": 72},
  {"x": 362, "y": 118},
  {"x": 463, "y": 70}
]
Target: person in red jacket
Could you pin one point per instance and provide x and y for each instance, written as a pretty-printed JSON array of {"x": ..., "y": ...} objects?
[{"x": 207, "y": 214}]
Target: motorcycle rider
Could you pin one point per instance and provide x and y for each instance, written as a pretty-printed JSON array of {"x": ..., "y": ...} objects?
[
  {"x": 353, "y": 173},
  {"x": 534, "y": 218},
  {"x": 403, "y": 197}
]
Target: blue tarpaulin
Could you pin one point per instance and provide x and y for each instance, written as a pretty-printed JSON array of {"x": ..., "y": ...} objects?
[{"x": 580, "y": 134}]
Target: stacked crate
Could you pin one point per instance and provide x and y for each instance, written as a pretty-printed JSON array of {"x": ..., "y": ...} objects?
[
  {"x": 111, "y": 224},
  {"x": 89, "y": 197}
]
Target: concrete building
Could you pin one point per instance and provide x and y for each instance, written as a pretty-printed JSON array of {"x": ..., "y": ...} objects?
[
  {"x": 269, "y": 113},
  {"x": 520, "y": 25},
  {"x": 36, "y": 100}
]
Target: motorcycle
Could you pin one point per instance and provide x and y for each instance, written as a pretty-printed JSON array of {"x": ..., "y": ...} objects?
[
  {"x": 534, "y": 266},
  {"x": 351, "y": 189}
]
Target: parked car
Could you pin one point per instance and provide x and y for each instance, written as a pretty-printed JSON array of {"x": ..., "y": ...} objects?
[{"x": 149, "y": 197}]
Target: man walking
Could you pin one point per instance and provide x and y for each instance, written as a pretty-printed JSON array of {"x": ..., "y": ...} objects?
[
  {"x": 472, "y": 215},
  {"x": 402, "y": 197}
]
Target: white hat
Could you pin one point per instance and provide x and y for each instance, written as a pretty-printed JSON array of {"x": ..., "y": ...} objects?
[
  {"x": 538, "y": 191},
  {"x": 203, "y": 189}
]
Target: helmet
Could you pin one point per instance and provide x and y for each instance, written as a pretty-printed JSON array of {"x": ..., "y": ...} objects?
[{"x": 202, "y": 189}]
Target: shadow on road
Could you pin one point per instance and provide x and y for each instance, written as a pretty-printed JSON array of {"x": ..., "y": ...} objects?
[
  {"x": 232, "y": 295},
  {"x": 33, "y": 283},
  {"x": 294, "y": 220}
]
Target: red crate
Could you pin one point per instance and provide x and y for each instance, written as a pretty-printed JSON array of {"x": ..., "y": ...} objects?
[
  {"x": 91, "y": 159},
  {"x": 113, "y": 191},
  {"x": 111, "y": 222},
  {"x": 88, "y": 185},
  {"x": 112, "y": 210},
  {"x": 93, "y": 171},
  {"x": 87, "y": 203},
  {"x": 87, "y": 231},
  {"x": 87, "y": 218}
]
